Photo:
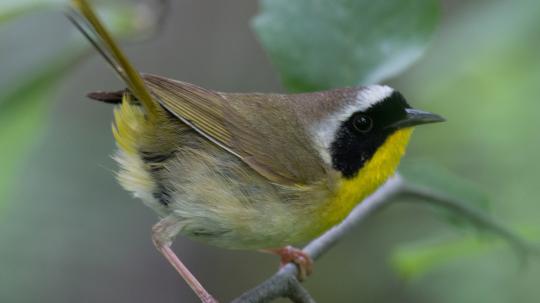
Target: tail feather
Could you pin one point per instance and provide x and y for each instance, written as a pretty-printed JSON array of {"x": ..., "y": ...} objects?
[
  {"x": 107, "y": 97},
  {"x": 93, "y": 29}
]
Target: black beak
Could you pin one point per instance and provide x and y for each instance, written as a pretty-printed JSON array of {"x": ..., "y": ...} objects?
[{"x": 416, "y": 117}]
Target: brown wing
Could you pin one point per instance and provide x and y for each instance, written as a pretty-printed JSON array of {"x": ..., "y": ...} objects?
[
  {"x": 199, "y": 108},
  {"x": 263, "y": 130}
]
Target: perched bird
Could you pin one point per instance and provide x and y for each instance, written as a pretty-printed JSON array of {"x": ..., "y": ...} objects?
[{"x": 248, "y": 170}]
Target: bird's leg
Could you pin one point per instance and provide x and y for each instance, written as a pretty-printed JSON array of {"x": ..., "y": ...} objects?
[
  {"x": 162, "y": 234},
  {"x": 290, "y": 254}
]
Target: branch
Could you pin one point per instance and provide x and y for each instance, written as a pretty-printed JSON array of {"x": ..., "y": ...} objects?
[
  {"x": 522, "y": 246},
  {"x": 285, "y": 284}
]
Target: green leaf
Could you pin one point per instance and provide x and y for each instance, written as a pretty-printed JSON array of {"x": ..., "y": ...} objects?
[
  {"x": 10, "y": 9},
  {"x": 322, "y": 44},
  {"x": 414, "y": 260},
  {"x": 122, "y": 17},
  {"x": 463, "y": 204},
  {"x": 458, "y": 200},
  {"x": 34, "y": 73},
  {"x": 22, "y": 115},
  {"x": 446, "y": 185}
]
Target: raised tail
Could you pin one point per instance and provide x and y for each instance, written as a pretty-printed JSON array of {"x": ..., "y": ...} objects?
[{"x": 89, "y": 24}]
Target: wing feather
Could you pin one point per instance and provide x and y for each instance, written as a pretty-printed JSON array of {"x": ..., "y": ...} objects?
[
  {"x": 201, "y": 108},
  {"x": 251, "y": 126},
  {"x": 260, "y": 129}
]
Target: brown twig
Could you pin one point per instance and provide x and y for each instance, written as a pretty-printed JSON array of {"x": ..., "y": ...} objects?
[{"x": 284, "y": 283}]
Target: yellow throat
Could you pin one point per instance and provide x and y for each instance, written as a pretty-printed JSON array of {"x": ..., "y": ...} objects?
[{"x": 375, "y": 172}]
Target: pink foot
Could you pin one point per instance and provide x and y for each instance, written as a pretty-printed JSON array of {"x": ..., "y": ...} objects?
[{"x": 289, "y": 254}]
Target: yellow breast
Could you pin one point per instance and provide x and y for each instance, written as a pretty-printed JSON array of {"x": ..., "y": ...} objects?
[{"x": 375, "y": 172}]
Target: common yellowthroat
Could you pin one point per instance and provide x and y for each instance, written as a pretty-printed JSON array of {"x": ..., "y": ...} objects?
[{"x": 248, "y": 171}]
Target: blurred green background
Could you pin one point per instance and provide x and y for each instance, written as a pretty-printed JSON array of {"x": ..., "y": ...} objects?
[{"x": 69, "y": 233}]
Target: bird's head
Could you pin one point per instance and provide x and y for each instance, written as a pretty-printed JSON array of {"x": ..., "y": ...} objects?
[{"x": 366, "y": 119}]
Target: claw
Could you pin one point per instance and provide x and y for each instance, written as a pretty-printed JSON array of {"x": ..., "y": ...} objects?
[{"x": 289, "y": 254}]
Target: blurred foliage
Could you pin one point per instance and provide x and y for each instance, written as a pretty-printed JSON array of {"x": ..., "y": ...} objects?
[
  {"x": 10, "y": 9},
  {"x": 482, "y": 74},
  {"x": 416, "y": 260},
  {"x": 22, "y": 114},
  {"x": 319, "y": 45},
  {"x": 325, "y": 44},
  {"x": 445, "y": 184},
  {"x": 483, "y": 77},
  {"x": 30, "y": 88}
]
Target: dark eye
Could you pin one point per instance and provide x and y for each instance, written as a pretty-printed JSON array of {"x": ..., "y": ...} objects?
[{"x": 362, "y": 123}]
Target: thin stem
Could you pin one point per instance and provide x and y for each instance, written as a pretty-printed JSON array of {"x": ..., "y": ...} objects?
[
  {"x": 284, "y": 282},
  {"x": 476, "y": 217}
]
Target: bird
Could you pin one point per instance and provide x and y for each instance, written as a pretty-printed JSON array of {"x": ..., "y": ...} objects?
[{"x": 250, "y": 171}]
